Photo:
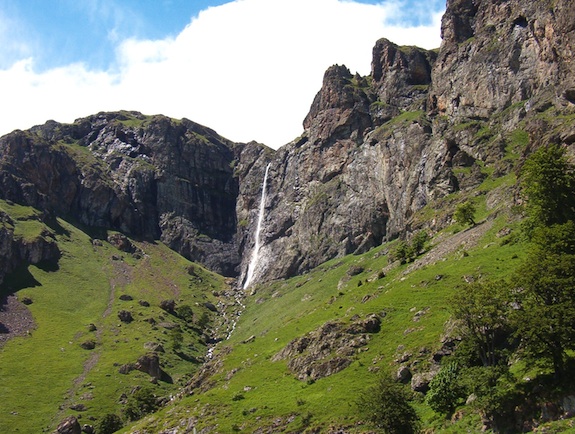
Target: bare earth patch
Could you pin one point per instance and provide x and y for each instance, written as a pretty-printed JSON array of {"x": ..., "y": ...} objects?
[
  {"x": 465, "y": 239},
  {"x": 15, "y": 318}
]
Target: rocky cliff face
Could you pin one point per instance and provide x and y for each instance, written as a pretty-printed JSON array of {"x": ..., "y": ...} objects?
[
  {"x": 149, "y": 177},
  {"x": 16, "y": 249},
  {"x": 495, "y": 54},
  {"x": 374, "y": 149},
  {"x": 423, "y": 124}
]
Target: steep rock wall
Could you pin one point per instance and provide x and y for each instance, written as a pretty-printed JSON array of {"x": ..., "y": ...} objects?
[
  {"x": 149, "y": 177},
  {"x": 423, "y": 124}
]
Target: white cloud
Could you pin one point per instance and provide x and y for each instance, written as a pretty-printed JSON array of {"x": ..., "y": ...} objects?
[{"x": 249, "y": 69}]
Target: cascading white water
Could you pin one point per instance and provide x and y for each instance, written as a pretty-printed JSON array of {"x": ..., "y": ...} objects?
[{"x": 256, "y": 251}]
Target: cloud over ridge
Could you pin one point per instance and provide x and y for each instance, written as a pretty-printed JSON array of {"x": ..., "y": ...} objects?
[{"x": 248, "y": 69}]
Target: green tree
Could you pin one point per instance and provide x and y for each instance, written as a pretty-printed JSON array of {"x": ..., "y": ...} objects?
[
  {"x": 417, "y": 243},
  {"x": 203, "y": 320},
  {"x": 109, "y": 424},
  {"x": 465, "y": 213},
  {"x": 482, "y": 308},
  {"x": 547, "y": 183},
  {"x": 176, "y": 338},
  {"x": 407, "y": 252},
  {"x": 399, "y": 253},
  {"x": 495, "y": 396},
  {"x": 445, "y": 391},
  {"x": 185, "y": 312},
  {"x": 143, "y": 401},
  {"x": 546, "y": 297},
  {"x": 386, "y": 405}
]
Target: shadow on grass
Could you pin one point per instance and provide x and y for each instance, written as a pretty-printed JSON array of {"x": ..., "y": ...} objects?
[
  {"x": 165, "y": 377},
  {"x": 19, "y": 279},
  {"x": 187, "y": 357}
]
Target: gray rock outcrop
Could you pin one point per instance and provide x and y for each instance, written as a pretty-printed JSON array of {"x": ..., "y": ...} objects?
[{"x": 422, "y": 125}]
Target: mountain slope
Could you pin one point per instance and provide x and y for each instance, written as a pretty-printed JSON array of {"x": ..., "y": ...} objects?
[
  {"x": 96, "y": 310},
  {"x": 306, "y": 349},
  {"x": 90, "y": 210}
]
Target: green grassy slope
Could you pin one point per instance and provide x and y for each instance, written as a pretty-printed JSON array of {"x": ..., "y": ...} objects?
[
  {"x": 252, "y": 389},
  {"x": 47, "y": 372}
]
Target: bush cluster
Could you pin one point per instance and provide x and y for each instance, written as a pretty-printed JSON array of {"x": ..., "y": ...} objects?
[{"x": 407, "y": 252}]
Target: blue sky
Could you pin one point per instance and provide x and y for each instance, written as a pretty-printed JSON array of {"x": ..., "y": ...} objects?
[
  {"x": 247, "y": 68},
  {"x": 58, "y": 32}
]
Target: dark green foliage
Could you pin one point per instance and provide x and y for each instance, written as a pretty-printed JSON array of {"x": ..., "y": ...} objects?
[
  {"x": 418, "y": 243},
  {"x": 399, "y": 253},
  {"x": 185, "y": 312},
  {"x": 546, "y": 297},
  {"x": 204, "y": 320},
  {"x": 238, "y": 396},
  {"x": 140, "y": 403},
  {"x": 465, "y": 213},
  {"x": 386, "y": 405},
  {"x": 445, "y": 391},
  {"x": 482, "y": 308},
  {"x": 176, "y": 336},
  {"x": 546, "y": 282},
  {"x": 109, "y": 424},
  {"x": 548, "y": 181},
  {"x": 407, "y": 252},
  {"x": 168, "y": 305},
  {"x": 494, "y": 393}
]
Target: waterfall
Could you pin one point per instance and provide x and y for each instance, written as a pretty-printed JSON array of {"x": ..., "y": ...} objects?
[{"x": 256, "y": 251}]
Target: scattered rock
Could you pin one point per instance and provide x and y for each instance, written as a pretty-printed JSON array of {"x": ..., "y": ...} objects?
[
  {"x": 371, "y": 324},
  {"x": 88, "y": 429},
  {"x": 92, "y": 327},
  {"x": 144, "y": 303},
  {"x": 403, "y": 357},
  {"x": 121, "y": 242},
  {"x": 211, "y": 306},
  {"x": 70, "y": 425},
  {"x": 125, "y": 316},
  {"x": 168, "y": 305},
  {"x": 447, "y": 349},
  {"x": 88, "y": 345},
  {"x": 420, "y": 381},
  {"x": 471, "y": 399},
  {"x": 354, "y": 270},
  {"x": 403, "y": 374},
  {"x": 26, "y": 300},
  {"x": 150, "y": 364},
  {"x": 126, "y": 368},
  {"x": 366, "y": 298},
  {"x": 329, "y": 349},
  {"x": 154, "y": 347},
  {"x": 78, "y": 407},
  {"x": 248, "y": 340},
  {"x": 417, "y": 316},
  {"x": 126, "y": 297}
]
